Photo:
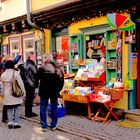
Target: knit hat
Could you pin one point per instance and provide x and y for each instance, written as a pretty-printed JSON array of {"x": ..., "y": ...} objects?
[
  {"x": 48, "y": 57},
  {"x": 9, "y": 64}
]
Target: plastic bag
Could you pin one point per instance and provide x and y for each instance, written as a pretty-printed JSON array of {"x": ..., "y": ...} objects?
[{"x": 128, "y": 84}]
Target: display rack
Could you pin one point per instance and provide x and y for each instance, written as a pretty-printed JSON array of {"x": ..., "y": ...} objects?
[
  {"x": 76, "y": 50},
  {"x": 95, "y": 43},
  {"x": 111, "y": 54}
]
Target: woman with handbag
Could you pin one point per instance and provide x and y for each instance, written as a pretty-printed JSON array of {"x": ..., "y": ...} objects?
[
  {"x": 2, "y": 68},
  {"x": 12, "y": 103}
]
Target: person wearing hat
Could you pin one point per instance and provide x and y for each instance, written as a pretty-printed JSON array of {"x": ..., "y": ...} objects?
[
  {"x": 12, "y": 103},
  {"x": 2, "y": 67}
]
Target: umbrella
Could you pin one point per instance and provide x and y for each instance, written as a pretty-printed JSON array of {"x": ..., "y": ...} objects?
[
  {"x": 118, "y": 21},
  {"x": 127, "y": 25}
]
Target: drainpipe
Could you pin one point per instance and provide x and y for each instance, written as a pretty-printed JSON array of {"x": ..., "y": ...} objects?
[
  {"x": 29, "y": 16},
  {"x": 33, "y": 24}
]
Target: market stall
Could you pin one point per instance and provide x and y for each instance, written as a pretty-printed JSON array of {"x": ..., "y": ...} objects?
[
  {"x": 105, "y": 97},
  {"x": 88, "y": 86}
]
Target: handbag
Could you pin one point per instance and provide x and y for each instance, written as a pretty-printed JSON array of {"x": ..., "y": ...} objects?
[
  {"x": 16, "y": 91},
  {"x": 36, "y": 99},
  {"x": 128, "y": 83}
]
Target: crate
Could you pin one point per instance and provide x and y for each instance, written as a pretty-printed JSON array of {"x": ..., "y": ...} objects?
[
  {"x": 75, "y": 98},
  {"x": 102, "y": 89},
  {"x": 116, "y": 94}
]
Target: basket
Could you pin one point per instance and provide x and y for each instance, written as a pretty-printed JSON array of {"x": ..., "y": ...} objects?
[
  {"x": 116, "y": 94},
  {"x": 102, "y": 89},
  {"x": 75, "y": 98}
]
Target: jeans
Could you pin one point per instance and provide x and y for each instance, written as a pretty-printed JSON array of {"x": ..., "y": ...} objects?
[
  {"x": 13, "y": 114},
  {"x": 43, "y": 112}
]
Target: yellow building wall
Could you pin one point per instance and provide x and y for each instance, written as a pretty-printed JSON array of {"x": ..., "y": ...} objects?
[
  {"x": 39, "y": 4},
  {"x": 74, "y": 28},
  {"x": 47, "y": 41}
]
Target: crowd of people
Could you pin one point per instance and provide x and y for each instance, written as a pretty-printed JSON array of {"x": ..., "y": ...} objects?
[{"x": 46, "y": 81}]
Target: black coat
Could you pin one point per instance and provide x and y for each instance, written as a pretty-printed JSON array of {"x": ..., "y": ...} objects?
[{"x": 49, "y": 81}]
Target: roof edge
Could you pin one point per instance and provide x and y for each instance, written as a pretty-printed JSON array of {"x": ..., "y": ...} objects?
[{"x": 55, "y": 6}]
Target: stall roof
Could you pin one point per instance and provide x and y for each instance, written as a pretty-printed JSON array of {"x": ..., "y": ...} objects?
[{"x": 75, "y": 9}]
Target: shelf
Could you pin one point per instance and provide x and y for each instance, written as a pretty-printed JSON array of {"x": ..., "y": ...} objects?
[
  {"x": 111, "y": 68},
  {"x": 111, "y": 49},
  {"x": 96, "y": 47},
  {"x": 74, "y": 52},
  {"x": 112, "y": 57},
  {"x": 111, "y": 53},
  {"x": 72, "y": 67}
]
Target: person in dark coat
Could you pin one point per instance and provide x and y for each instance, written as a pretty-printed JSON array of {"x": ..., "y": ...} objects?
[
  {"x": 30, "y": 84},
  {"x": 48, "y": 89}
]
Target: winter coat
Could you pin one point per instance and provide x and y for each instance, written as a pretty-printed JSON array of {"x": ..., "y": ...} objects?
[
  {"x": 31, "y": 71},
  {"x": 48, "y": 81},
  {"x": 6, "y": 79}
]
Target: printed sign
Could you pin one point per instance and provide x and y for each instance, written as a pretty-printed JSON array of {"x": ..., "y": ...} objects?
[{"x": 134, "y": 65}]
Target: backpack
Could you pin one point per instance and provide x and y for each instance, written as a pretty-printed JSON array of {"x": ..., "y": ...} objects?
[
  {"x": 16, "y": 91},
  {"x": 60, "y": 78},
  {"x": 23, "y": 72}
]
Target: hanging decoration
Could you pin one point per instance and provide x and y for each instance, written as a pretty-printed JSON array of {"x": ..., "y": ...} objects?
[{"x": 121, "y": 22}]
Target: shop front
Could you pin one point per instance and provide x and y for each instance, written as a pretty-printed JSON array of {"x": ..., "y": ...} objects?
[
  {"x": 99, "y": 42},
  {"x": 78, "y": 35}
]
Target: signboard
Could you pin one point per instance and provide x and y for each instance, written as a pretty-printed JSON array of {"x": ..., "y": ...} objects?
[
  {"x": 62, "y": 47},
  {"x": 134, "y": 57},
  {"x": 59, "y": 45},
  {"x": 65, "y": 47}
]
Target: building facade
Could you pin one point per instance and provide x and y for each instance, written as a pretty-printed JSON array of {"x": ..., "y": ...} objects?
[{"x": 56, "y": 26}]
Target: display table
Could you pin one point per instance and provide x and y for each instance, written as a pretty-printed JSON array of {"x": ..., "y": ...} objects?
[
  {"x": 108, "y": 103},
  {"x": 109, "y": 106},
  {"x": 69, "y": 76},
  {"x": 91, "y": 82},
  {"x": 78, "y": 99},
  {"x": 85, "y": 99},
  {"x": 115, "y": 95}
]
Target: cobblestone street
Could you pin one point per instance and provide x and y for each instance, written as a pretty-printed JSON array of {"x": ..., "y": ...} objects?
[{"x": 70, "y": 127}]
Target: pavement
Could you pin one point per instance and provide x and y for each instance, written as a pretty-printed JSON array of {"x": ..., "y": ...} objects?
[{"x": 70, "y": 127}]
